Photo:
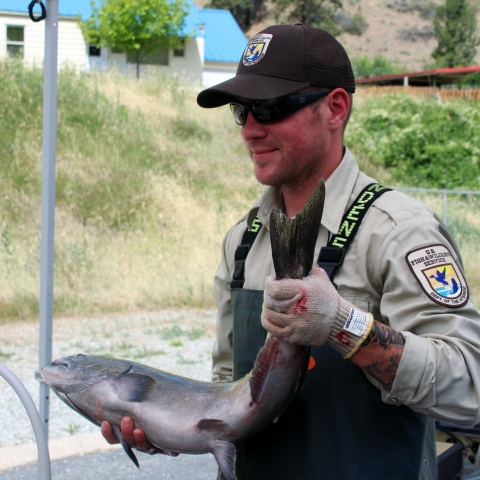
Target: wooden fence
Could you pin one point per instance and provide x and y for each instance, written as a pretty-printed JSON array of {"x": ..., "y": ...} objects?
[{"x": 425, "y": 92}]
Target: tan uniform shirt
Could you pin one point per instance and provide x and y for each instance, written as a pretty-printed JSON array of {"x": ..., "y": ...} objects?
[{"x": 439, "y": 373}]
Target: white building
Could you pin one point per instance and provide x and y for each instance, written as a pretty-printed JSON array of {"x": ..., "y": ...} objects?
[{"x": 210, "y": 54}]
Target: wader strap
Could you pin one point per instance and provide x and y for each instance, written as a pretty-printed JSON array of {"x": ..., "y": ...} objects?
[
  {"x": 331, "y": 257},
  {"x": 241, "y": 253}
]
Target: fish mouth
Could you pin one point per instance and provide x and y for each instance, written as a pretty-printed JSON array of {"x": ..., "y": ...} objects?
[
  {"x": 56, "y": 381},
  {"x": 69, "y": 362},
  {"x": 72, "y": 375}
]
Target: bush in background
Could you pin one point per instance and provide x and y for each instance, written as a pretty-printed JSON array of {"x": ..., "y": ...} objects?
[
  {"x": 469, "y": 81},
  {"x": 364, "y": 66},
  {"x": 354, "y": 24},
  {"x": 421, "y": 142},
  {"x": 426, "y": 8}
]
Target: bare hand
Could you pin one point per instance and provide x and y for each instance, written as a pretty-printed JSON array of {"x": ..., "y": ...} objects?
[{"x": 134, "y": 437}]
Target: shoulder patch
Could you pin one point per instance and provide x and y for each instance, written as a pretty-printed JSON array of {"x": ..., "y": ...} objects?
[
  {"x": 256, "y": 49},
  {"x": 438, "y": 274}
]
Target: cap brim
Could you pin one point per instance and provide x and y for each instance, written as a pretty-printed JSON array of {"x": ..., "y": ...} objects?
[{"x": 249, "y": 87}]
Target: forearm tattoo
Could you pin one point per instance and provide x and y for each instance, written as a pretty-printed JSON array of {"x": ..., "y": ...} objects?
[
  {"x": 380, "y": 354},
  {"x": 384, "y": 336}
]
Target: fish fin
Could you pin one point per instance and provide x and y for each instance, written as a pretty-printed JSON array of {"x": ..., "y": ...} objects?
[
  {"x": 214, "y": 427},
  {"x": 133, "y": 387},
  {"x": 262, "y": 367},
  {"x": 126, "y": 447},
  {"x": 225, "y": 455},
  {"x": 293, "y": 239}
]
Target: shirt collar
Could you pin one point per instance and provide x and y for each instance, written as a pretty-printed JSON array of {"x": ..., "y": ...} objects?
[
  {"x": 269, "y": 199},
  {"x": 338, "y": 189}
]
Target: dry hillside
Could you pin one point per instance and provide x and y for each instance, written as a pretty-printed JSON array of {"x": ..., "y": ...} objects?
[{"x": 395, "y": 30}]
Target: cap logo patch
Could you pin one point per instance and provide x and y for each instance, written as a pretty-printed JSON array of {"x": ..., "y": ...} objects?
[
  {"x": 438, "y": 274},
  {"x": 256, "y": 49}
]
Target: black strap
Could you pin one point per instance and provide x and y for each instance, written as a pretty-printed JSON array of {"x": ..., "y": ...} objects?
[
  {"x": 331, "y": 257},
  {"x": 241, "y": 253}
]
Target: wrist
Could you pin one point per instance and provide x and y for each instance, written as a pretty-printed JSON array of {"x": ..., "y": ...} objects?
[{"x": 350, "y": 329}]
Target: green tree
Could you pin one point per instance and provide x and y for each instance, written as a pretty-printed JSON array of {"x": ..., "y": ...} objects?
[
  {"x": 364, "y": 66},
  {"x": 454, "y": 26},
  {"x": 240, "y": 9},
  {"x": 136, "y": 27},
  {"x": 469, "y": 81},
  {"x": 317, "y": 13},
  {"x": 245, "y": 12}
]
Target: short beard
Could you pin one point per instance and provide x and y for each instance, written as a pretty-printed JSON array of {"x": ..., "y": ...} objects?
[{"x": 295, "y": 177}]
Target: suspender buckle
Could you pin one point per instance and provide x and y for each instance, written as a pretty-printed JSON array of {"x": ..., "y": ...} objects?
[
  {"x": 239, "y": 273},
  {"x": 330, "y": 259}
]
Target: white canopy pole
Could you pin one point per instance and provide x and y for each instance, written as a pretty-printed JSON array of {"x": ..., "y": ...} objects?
[{"x": 48, "y": 198}]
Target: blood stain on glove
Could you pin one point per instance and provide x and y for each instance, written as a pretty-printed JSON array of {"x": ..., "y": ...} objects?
[
  {"x": 344, "y": 339},
  {"x": 301, "y": 305}
]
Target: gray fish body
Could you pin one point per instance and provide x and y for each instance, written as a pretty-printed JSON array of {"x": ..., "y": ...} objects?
[
  {"x": 186, "y": 416},
  {"x": 179, "y": 414}
]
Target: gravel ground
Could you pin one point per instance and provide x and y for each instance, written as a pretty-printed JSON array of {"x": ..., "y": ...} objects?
[{"x": 177, "y": 341}]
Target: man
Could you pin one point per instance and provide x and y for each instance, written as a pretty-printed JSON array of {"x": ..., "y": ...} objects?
[{"x": 395, "y": 341}]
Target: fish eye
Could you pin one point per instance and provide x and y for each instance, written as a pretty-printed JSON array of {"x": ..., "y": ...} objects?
[{"x": 66, "y": 362}]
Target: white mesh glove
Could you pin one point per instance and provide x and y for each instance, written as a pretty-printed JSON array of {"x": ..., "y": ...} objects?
[{"x": 311, "y": 312}]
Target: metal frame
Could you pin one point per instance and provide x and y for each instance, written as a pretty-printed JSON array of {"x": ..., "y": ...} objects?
[
  {"x": 49, "y": 153},
  {"x": 444, "y": 193}
]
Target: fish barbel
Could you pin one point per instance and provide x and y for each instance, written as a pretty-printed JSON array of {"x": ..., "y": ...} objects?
[{"x": 182, "y": 415}]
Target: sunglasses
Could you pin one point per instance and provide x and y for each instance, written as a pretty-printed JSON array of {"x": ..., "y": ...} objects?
[{"x": 274, "y": 109}]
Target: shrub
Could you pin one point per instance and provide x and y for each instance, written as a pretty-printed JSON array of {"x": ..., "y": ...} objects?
[
  {"x": 469, "y": 81},
  {"x": 422, "y": 142},
  {"x": 354, "y": 24},
  {"x": 364, "y": 66}
]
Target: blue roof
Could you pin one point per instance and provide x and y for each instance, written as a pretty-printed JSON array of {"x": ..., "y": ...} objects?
[
  {"x": 69, "y": 8},
  {"x": 224, "y": 39}
]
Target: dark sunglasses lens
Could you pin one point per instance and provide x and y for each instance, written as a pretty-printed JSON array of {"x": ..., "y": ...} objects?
[
  {"x": 275, "y": 108},
  {"x": 239, "y": 113},
  {"x": 268, "y": 110}
]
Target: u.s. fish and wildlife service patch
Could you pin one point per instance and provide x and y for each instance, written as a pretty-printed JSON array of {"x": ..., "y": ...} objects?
[
  {"x": 438, "y": 274},
  {"x": 256, "y": 48}
]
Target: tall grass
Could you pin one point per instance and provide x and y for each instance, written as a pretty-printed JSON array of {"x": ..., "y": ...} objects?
[{"x": 147, "y": 185}]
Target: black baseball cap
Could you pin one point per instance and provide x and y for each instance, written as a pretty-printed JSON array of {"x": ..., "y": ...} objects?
[{"x": 283, "y": 59}]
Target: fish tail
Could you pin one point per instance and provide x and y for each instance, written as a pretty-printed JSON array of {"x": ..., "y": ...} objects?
[{"x": 293, "y": 239}]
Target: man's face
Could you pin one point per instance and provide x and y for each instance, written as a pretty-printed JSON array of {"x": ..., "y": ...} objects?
[{"x": 290, "y": 151}]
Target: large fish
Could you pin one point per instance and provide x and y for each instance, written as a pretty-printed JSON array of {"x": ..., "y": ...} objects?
[{"x": 187, "y": 416}]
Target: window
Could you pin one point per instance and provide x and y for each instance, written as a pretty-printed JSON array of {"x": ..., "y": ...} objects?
[
  {"x": 15, "y": 41},
  {"x": 180, "y": 51},
  {"x": 93, "y": 51},
  {"x": 160, "y": 57}
]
